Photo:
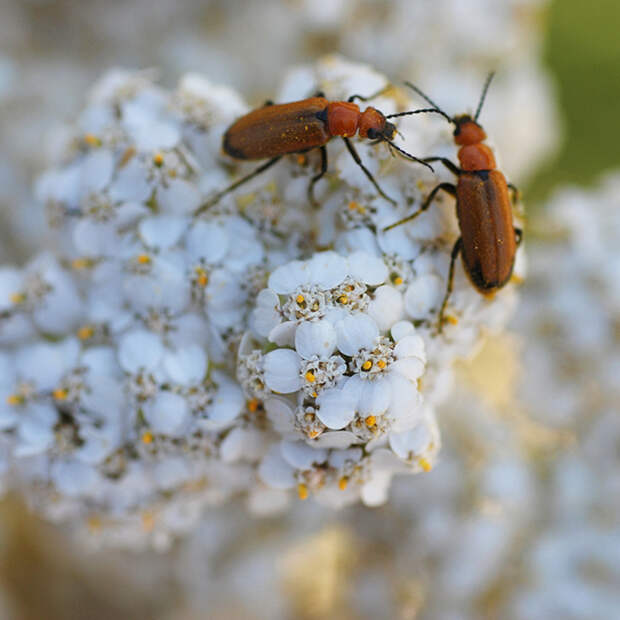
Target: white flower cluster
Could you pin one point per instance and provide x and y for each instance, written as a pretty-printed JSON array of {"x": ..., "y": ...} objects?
[{"x": 167, "y": 356}]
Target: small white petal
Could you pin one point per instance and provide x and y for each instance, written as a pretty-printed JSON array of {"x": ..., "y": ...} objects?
[
  {"x": 241, "y": 444},
  {"x": 266, "y": 314},
  {"x": 286, "y": 278},
  {"x": 168, "y": 414},
  {"x": 95, "y": 238},
  {"x": 334, "y": 439},
  {"x": 282, "y": 368},
  {"x": 161, "y": 231},
  {"x": 375, "y": 491},
  {"x": 336, "y": 407},
  {"x": 387, "y": 307},
  {"x": 339, "y": 458},
  {"x": 315, "y": 338},
  {"x": 275, "y": 471},
  {"x": 327, "y": 269},
  {"x": 280, "y": 414},
  {"x": 406, "y": 405},
  {"x": 96, "y": 171},
  {"x": 179, "y": 197},
  {"x": 411, "y": 368},
  {"x": 412, "y": 442},
  {"x": 187, "y": 365},
  {"x": 130, "y": 184},
  {"x": 423, "y": 296},
  {"x": 356, "y": 332},
  {"x": 151, "y": 135},
  {"x": 300, "y": 455},
  {"x": 367, "y": 268},
  {"x": 140, "y": 349},
  {"x": 227, "y": 404},
  {"x": 373, "y": 396},
  {"x": 411, "y": 345},
  {"x": 208, "y": 241},
  {"x": 284, "y": 334},
  {"x": 401, "y": 329},
  {"x": 73, "y": 478}
]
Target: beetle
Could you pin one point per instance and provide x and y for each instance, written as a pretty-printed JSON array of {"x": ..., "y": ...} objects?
[
  {"x": 489, "y": 240},
  {"x": 276, "y": 130}
]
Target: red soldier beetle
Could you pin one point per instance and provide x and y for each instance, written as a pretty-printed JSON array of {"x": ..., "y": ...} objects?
[
  {"x": 488, "y": 241},
  {"x": 276, "y": 130}
]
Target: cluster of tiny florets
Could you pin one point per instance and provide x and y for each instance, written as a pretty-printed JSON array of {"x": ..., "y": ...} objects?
[{"x": 168, "y": 351}]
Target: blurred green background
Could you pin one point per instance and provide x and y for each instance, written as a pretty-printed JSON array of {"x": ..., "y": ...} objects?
[{"x": 582, "y": 49}]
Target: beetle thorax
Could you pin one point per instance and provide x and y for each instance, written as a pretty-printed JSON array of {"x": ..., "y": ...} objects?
[
  {"x": 342, "y": 118},
  {"x": 473, "y": 157}
]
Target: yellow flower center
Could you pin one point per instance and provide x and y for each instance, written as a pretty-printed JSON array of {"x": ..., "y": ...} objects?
[
  {"x": 17, "y": 298},
  {"x": 342, "y": 483},
  {"x": 382, "y": 364},
  {"x": 85, "y": 332},
  {"x": 253, "y": 405},
  {"x": 148, "y": 521},
  {"x": 398, "y": 280},
  {"x": 367, "y": 365},
  {"x": 143, "y": 259},
  {"x": 202, "y": 279},
  {"x": 60, "y": 394},
  {"x": 425, "y": 464},
  {"x": 300, "y": 299},
  {"x": 302, "y": 491},
  {"x": 310, "y": 378},
  {"x": 14, "y": 399},
  {"x": 92, "y": 140},
  {"x": 81, "y": 263},
  {"x": 147, "y": 437},
  {"x": 158, "y": 159},
  {"x": 371, "y": 421},
  {"x": 343, "y": 299}
]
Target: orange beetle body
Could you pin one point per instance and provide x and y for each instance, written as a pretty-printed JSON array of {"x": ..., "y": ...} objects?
[
  {"x": 484, "y": 212},
  {"x": 488, "y": 242},
  {"x": 286, "y": 128},
  {"x": 277, "y": 130},
  {"x": 488, "y": 239},
  {"x": 274, "y": 131}
]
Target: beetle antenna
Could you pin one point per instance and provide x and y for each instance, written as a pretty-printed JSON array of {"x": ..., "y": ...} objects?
[
  {"x": 427, "y": 98},
  {"x": 436, "y": 110},
  {"x": 484, "y": 94},
  {"x": 409, "y": 155}
]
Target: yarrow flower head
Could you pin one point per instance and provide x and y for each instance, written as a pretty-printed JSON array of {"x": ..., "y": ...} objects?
[{"x": 167, "y": 356}]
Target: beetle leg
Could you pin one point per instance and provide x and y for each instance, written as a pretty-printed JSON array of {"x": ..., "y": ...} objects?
[
  {"x": 455, "y": 252},
  {"x": 516, "y": 194},
  {"x": 206, "y": 205},
  {"x": 447, "y": 187},
  {"x": 358, "y": 161},
  {"x": 518, "y": 236},
  {"x": 446, "y": 162},
  {"x": 318, "y": 176},
  {"x": 352, "y": 98},
  {"x": 267, "y": 103}
]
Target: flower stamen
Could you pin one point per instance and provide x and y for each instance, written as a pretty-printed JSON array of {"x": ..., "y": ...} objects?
[
  {"x": 14, "y": 399},
  {"x": 302, "y": 491}
]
